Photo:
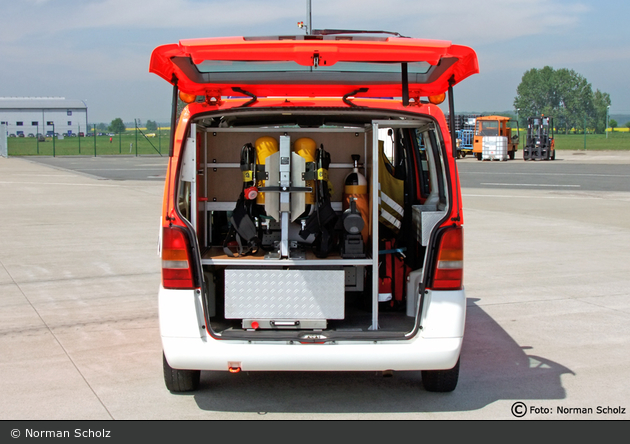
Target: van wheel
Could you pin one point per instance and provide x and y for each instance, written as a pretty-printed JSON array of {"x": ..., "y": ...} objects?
[
  {"x": 180, "y": 380},
  {"x": 441, "y": 380},
  {"x": 478, "y": 156}
]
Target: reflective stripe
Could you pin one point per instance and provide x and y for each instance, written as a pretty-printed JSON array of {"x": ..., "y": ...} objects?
[
  {"x": 450, "y": 265},
  {"x": 391, "y": 219},
  {"x": 174, "y": 264},
  {"x": 392, "y": 204}
]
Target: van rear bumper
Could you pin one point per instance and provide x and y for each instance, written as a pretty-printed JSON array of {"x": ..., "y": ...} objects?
[
  {"x": 212, "y": 354},
  {"x": 187, "y": 345}
]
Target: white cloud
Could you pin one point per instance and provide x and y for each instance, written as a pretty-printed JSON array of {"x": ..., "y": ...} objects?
[
  {"x": 50, "y": 18},
  {"x": 457, "y": 20},
  {"x": 462, "y": 21},
  {"x": 53, "y": 45}
]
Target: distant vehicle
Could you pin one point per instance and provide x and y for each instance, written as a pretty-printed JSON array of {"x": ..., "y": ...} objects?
[
  {"x": 540, "y": 144},
  {"x": 40, "y": 137},
  {"x": 12, "y": 135},
  {"x": 464, "y": 142},
  {"x": 81, "y": 134},
  {"x": 30, "y": 135},
  {"x": 496, "y": 137}
]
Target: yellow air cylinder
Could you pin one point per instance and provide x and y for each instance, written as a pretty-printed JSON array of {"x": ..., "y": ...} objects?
[
  {"x": 265, "y": 147},
  {"x": 306, "y": 147}
]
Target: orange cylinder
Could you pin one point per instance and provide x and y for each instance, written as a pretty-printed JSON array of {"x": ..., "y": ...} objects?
[{"x": 356, "y": 186}]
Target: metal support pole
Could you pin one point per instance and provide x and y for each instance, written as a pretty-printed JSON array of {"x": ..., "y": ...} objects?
[
  {"x": 451, "y": 118},
  {"x": 308, "y": 17},
  {"x": 519, "y": 125},
  {"x": 173, "y": 118},
  {"x": 285, "y": 197},
  {"x": 94, "y": 139},
  {"x": 585, "y": 132},
  {"x": 136, "y": 122},
  {"x": 79, "y": 137}
]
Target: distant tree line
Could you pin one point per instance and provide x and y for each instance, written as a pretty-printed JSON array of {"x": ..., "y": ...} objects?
[
  {"x": 118, "y": 126},
  {"x": 563, "y": 94}
]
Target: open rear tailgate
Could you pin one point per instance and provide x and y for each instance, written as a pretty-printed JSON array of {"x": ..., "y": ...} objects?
[{"x": 313, "y": 65}]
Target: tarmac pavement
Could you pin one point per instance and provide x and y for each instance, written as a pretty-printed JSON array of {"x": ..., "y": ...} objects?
[{"x": 546, "y": 275}]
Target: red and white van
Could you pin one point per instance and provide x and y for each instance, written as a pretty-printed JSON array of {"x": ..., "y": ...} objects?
[{"x": 312, "y": 216}]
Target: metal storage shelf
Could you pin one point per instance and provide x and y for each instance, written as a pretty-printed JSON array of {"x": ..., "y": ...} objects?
[{"x": 216, "y": 256}]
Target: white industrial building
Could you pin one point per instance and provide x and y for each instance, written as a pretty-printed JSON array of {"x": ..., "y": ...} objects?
[{"x": 26, "y": 116}]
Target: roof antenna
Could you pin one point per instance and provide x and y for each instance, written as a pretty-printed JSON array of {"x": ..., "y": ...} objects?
[{"x": 308, "y": 19}]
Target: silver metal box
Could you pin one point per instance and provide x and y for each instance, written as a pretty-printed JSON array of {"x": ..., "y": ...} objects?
[
  {"x": 284, "y": 294},
  {"x": 425, "y": 218}
]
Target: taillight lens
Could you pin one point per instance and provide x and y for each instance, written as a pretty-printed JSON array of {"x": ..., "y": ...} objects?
[
  {"x": 176, "y": 263},
  {"x": 449, "y": 269}
]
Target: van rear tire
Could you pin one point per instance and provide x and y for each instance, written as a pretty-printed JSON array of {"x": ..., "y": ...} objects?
[
  {"x": 440, "y": 380},
  {"x": 180, "y": 380}
]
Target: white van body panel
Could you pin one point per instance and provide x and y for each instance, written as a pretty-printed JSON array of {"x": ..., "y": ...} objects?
[
  {"x": 180, "y": 313},
  {"x": 445, "y": 315},
  {"x": 187, "y": 345}
]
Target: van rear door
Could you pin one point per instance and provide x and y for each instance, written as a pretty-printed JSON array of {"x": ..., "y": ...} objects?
[{"x": 314, "y": 66}]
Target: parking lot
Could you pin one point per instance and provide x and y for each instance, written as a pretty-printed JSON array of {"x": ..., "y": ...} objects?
[{"x": 546, "y": 276}]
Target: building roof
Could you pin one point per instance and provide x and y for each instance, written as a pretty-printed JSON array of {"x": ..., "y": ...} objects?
[{"x": 40, "y": 103}]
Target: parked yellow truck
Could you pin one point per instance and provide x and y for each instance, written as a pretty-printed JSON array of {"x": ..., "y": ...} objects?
[{"x": 496, "y": 138}]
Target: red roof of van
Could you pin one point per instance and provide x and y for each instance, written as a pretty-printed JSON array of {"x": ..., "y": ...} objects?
[{"x": 313, "y": 65}]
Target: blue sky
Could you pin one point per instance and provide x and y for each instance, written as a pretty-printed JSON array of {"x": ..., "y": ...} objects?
[{"x": 98, "y": 50}]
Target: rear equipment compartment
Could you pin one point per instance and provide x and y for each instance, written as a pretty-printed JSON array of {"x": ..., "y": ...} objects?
[{"x": 315, "y": 224}]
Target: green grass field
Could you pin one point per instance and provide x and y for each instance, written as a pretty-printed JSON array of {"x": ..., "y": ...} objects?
[
  {"x": 126, "y": 144},
  {"x": 89, "y": 146},
  {"x": 616, "y": 141}
]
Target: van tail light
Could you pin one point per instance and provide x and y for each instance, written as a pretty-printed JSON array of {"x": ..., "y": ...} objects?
[
  {"x": 176, "y": 259},
  {"x": 449, "y": 268}
]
